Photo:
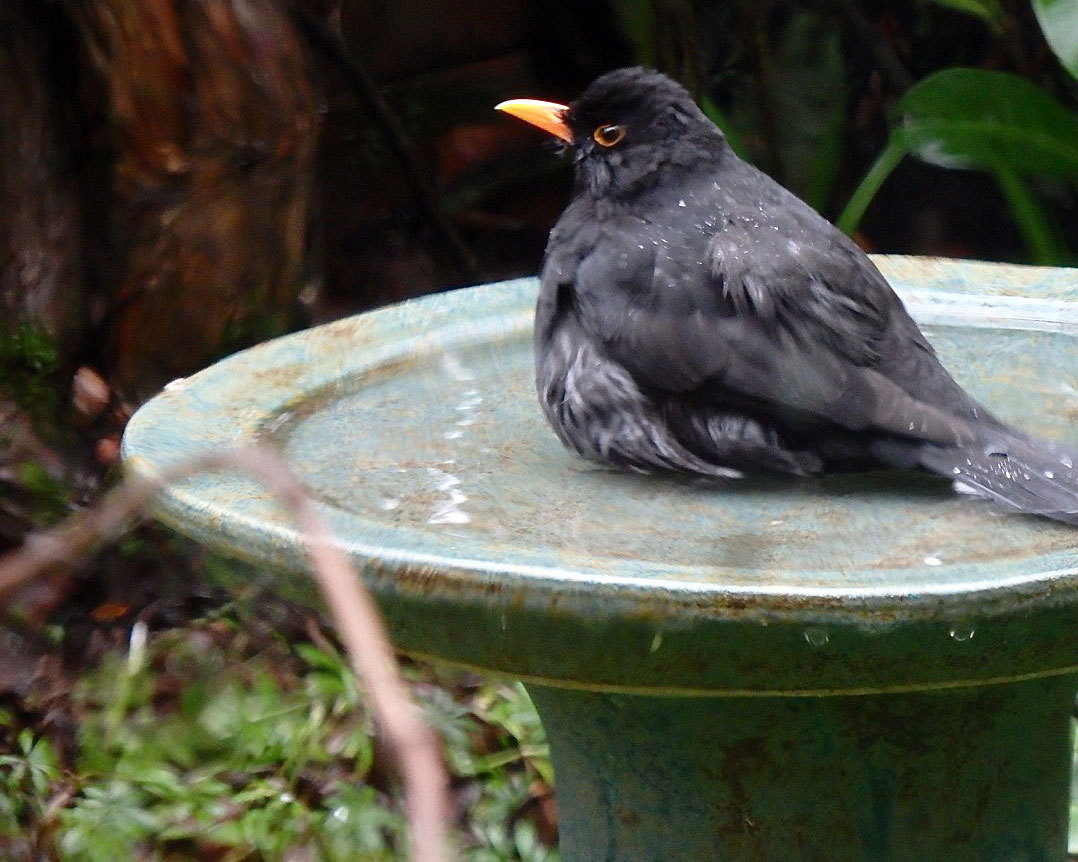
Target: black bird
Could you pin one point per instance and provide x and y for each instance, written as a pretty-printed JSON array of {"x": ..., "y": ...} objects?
[{"x": 694, "y": 315}]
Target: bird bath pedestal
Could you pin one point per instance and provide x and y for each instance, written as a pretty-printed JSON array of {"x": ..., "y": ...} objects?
[{"x": 854, "y": 668}]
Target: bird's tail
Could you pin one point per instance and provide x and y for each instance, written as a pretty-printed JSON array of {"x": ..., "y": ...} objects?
[{"x": 1014, "y": 469}]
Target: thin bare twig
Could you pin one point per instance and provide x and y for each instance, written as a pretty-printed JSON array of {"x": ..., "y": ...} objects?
[
  {"x": 422, "y": 186},
  {"x": 898, "y": 77},
  {"x": 410, "y": 741}
]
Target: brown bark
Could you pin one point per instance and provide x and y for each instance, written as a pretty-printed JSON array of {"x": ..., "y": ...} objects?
[
  {"x": 213, "y": 120},
  {"x": 40, "y": 227}
]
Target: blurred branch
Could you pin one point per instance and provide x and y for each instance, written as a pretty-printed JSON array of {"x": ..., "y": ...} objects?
[
  {"x": 422, "y": 186},
  {"x": 894, "y": 70},
  {"x": 411, "y": 742},
  {"x": 755, "y": 37},
  {"x": 676, "y": 38}
]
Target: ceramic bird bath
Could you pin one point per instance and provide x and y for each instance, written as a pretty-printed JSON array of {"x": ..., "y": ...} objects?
[{"x": 861, "y": 667}]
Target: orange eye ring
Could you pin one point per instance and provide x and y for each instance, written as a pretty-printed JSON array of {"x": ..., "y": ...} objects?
[{"x": 608, "y": 135}]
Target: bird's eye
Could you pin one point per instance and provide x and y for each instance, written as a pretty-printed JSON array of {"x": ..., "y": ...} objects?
[{"x": 607, "y": 136}]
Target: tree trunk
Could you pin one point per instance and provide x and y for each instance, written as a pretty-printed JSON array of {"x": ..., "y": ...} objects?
[
  {"x": 156, "y": 159},
  {"x": 40, "y": 227},
  {"x": 213, "y": 119}
]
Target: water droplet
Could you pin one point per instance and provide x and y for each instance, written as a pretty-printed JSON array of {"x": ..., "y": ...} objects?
[
  {"x": 933, "y": 561},
  {"x": 775, "y": 523},
  {"x": 447, "y": 480},
  {"x": 448, "y": 511},
  {"x": 957, "y": 471},
  {"x": 455, "y": 368},
  {"x": 681, "y": 202},
  {"x": 453, "y": 435},
  {"x": 962, "y": 633},
  {"x": 1067, "y": 462},
  {"x": 1048, "y": 474},
  {"x": 656, "y": 642},
  {"x": 817, "y": 637},
  {"x": 340, "y": 813},
  {"x": 449, "y": 514},
  {"x": 388, "y": 504},
  {"x": 278, "y": 421}
]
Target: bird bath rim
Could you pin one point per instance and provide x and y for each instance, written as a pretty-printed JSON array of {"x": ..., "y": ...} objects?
[{"x": 261, "y": 391}]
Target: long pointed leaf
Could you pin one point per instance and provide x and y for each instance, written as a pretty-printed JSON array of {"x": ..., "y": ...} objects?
[
  {"x": 1034, "y": 225},
  {"x": 807, "y": 91}
]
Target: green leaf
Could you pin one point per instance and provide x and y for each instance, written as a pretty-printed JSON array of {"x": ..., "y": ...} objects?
[
  {"x": 987, "y": 10},
  {"x": 1035, "y": 226},
  {"x": 991, "y": 121},
  {"x": 971, "y": 118},
  {"x": 807, "y": 90},
  {"x": 795, "y": 132},
  {"x": 637, "y": 20},
  {"x": 716, "y": 115},
  {"x": 862, "y": 196},
  {"x": 1059, "y": 23}
]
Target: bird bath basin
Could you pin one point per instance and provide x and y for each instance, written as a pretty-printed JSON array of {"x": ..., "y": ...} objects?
[{"x": 858, "y": 667}]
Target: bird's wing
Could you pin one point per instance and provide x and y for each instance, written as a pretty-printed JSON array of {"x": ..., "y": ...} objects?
[
  {"x": 795, "y": 330},
  {"x": 791, "y": 269}
]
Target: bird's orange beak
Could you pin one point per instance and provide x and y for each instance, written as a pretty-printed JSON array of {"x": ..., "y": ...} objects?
[{"x": 548, "y": 116}]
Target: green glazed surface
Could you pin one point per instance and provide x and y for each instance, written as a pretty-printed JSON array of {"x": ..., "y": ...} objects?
[{"x": 488, "y": 545}]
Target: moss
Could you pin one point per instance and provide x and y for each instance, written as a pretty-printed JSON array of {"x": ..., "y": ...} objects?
[
  {"x": 28, "y": 364},
  {"x": 48, "y": 498},
  {"x": 252, "y": 328}
]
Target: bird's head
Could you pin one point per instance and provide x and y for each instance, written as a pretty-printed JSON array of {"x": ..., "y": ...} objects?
[{"x": 624, "y": 128}]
